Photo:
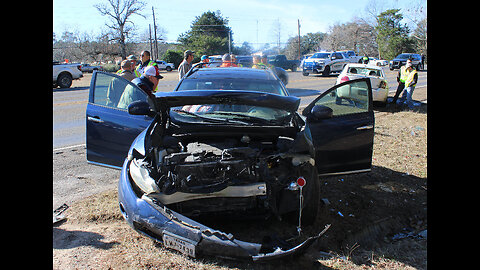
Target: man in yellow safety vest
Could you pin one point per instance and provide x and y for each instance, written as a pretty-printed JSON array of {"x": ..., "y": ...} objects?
[
  {"x": 407, "y": 79},
  {"x": 147, "y": 62}
]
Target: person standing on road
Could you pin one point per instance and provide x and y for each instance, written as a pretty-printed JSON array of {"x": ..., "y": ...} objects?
[
  {"x": 258, "y": 62},
  {"x": 146, "y": 62},
  {"x": 126, "y": 70},
  {"x": 227, "y": 61},
  {"x": 407, "y": 79},
  {"x": 133, "y": 60},
  {"x": 186, "y": 64},
  {"x": 147, "y": 82},
  {"x": 204, "y": 60}
]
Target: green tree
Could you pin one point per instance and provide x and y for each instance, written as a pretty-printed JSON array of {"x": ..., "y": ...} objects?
[
  {"x": 208, "y": 35},
  {"x": 392, "y": 37},
  {"x": 172, "y": 56}
]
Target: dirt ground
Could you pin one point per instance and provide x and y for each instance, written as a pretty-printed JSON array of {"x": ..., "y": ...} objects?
[{"x": 369, "y": 213}]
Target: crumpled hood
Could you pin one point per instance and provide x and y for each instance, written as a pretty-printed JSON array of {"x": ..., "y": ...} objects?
[{"x": 179, "y": 98}]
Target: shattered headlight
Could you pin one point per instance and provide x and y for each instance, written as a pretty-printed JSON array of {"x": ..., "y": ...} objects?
[{"x": 141, "y": 177}]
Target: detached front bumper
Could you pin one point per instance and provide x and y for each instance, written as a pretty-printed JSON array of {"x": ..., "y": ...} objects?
[{"x": 151, "y": 218}]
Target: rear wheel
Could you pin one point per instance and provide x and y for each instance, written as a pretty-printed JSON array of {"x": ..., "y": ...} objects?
[
  {"x": 326, "y": 71},
  {"x": 64, "y": 80}
]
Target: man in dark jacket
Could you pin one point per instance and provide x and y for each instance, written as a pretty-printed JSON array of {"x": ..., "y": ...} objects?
[{"x": 147, "y": 82}]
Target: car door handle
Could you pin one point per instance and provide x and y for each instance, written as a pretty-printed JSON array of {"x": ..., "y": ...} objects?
[
  {"x": 365, "y": 127},
  {"x": 95, "y": 119}
]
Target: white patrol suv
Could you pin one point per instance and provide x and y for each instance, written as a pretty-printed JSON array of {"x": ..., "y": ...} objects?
[{"x": 325, "y": 63}]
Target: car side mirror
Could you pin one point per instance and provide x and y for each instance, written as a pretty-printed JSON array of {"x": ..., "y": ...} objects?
[
  {"x": 140, "y": 107},
  {"x": 320, "y": 112}
]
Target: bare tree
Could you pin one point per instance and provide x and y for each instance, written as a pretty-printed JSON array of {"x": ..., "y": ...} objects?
[{"x": 120, "y": 24}]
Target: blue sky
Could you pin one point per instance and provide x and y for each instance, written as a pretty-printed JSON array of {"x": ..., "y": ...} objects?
[{"x": 176, "y": 16}]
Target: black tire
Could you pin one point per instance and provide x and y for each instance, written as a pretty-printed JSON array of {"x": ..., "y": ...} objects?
[
  {"x": 326, "y": 71},
  {"x": 64, "y": 80},
  {"x": 294, "y": 68},
  {"x": 305, "y": 73},
  {"x": 169, "y": 69}
]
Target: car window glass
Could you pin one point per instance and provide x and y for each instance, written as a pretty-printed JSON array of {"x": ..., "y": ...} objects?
[
  {"x": 267, "y": 86},
  {"x": 365, "y": 71},
  {"x": 116, "y": 92},
  {"x": 347, "y": 99},
  {"x": 338, "y": 55}
]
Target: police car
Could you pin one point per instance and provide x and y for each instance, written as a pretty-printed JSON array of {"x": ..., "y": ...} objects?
[
  {"x": 324, "y": 63},
  {"x": 402, "y": 58}
]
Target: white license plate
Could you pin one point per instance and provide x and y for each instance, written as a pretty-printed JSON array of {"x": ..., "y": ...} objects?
[{"x": 178, "y": 243}]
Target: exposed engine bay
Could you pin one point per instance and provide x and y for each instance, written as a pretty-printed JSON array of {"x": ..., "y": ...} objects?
[{"x": 195, "y": 175}]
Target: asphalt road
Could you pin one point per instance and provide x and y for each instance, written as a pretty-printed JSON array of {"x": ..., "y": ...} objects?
[{"x": 74, "y": 179}]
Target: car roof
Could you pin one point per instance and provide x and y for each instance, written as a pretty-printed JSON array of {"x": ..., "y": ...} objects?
[
  {"x": 364, "y": 66},
  {"x": 232, "y": 72}
]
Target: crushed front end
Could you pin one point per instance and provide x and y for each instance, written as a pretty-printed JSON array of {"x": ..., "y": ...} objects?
[{"x": 189, "y": 165}]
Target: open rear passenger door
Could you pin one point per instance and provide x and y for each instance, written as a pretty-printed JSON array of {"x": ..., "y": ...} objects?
[{"x": 341, "y": 123}]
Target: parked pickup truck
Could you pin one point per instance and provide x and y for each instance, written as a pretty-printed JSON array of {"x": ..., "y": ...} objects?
[
  {"x": 352, "y": 57},
  {"x": 281, "y": 61},
  {"x": 164, "y": 65},
  {"x": 89, "y": 68},
  {"x": 64, "y": 74}
]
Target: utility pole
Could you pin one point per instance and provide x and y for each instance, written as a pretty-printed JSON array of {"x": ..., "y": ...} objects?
[
  {"x": 155, "y": 33},
  {"x": 150, "y": 37},
  {"x": 257, "y": 33},
  {"x": 229, "y": 42},
  {"x": 299, "y": 50}
]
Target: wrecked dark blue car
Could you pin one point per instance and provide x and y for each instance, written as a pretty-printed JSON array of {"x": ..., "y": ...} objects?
[{"x": 226, "y": 140}]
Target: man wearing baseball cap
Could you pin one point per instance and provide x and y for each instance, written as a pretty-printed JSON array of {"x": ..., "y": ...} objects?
[
  {"x": 186, "y": 64},
  {"x": 147, "y": 82},
  {"x": 152, "y": 75}
]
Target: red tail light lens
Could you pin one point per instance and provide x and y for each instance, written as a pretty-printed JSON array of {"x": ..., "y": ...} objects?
[
  {"x": 301, "y": 181},
  {"x": 79, "y": 68},
  {"x": 344, "y": 79}
]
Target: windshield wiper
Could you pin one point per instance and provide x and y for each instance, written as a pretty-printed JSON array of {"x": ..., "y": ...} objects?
[
  {"x": 211, "y": 119},
  {"x": 249, "y": 117}
]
